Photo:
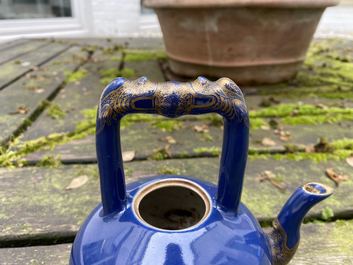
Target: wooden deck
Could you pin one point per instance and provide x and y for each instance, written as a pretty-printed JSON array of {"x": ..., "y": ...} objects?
[{"x": 48, "y": 96}]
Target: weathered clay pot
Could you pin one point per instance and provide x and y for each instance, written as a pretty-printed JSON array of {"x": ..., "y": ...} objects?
[{"x": 250, "y": 41}]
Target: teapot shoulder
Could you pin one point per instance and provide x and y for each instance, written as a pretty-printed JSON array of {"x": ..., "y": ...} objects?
[{"x": 220, "y": 239}]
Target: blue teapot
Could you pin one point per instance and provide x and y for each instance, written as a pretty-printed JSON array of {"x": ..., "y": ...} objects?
[{"x": 179, "y": 220}]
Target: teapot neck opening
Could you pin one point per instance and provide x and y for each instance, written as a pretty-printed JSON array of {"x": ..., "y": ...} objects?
[{"x": 172, "y": 205}]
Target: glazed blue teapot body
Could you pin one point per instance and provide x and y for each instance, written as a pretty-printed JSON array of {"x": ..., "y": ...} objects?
[{"x": 177, "y": 220}]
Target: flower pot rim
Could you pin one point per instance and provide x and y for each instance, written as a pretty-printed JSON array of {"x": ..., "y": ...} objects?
[{"x": 239, "y": 3}]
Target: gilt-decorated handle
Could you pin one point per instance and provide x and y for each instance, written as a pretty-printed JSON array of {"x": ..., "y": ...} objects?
[{"x": 172, "y": 99}]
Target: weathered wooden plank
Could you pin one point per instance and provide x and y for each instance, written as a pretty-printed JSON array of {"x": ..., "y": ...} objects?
[
  {"x": 45, "y": 255},
  {"x": 19, "y": 50},
  {"x": 304, "y": 134},
  {"x": 76, "y": 97},
  {"x": 321, "y": 243},
  {"x": 149, "y": 68},
  {"x": 182, "y": 138},
  {"x": 10, "y": 44},
  {"x": 35, "y": 201},
  {"x": 257, "y": 101},
  {"x": 135, "y": 65},
  {"x": 21, "y": 100},
  {"x": 16, "y": 68}
]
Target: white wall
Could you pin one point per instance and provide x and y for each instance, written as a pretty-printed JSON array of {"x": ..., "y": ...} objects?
[
  {"x": 337, "y": 21},
  {"x": 122, "y": 18}
]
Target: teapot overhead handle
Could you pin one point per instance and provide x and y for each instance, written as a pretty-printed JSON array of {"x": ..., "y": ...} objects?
[{"x": 171, "y": 99}]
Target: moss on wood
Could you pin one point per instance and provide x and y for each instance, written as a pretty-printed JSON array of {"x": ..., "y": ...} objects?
[
  {"x": 49, "y": 161},
  {"x": 55, "y": 112},
  {"x": 76, "y": 76},
  {"x": 143, "y": 55},
  {"x": 327, "y": 73},
  {"x": 168, "y": 125},
  {"x": 107, "y": 75}
]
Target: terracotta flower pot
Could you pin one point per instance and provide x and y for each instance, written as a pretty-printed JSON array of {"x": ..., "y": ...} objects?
[{"x": 250, "y": 41}]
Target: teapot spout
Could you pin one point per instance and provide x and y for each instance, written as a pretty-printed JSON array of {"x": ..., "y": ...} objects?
[{"x": 285, "y": 234}]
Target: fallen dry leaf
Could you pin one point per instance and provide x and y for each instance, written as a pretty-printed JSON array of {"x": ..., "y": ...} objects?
[
  {"x": 169, "y": 139},
  {"x": 128, "y": 156},
  {"x": 265, "y": 127},
  {"x": 333, "y": 175},
  {"x": 284, "y": 138},
  {"x": 20, "y": 110},
  {"x": 38, "y": 90},
  {"x": 201, "y": 128},
  {"x": 162, "y": 153},
  {"x": 321, "y": 106},
  {"x": 25, "y": 64},
  {"x": 268, "y": 175},
  {"x": 283, "y": 135},
  {"x": 349, "y": 160},
  {"x": 309, "y": 149},
  {"x": 77, "y": 182},
  {"x": 268, "y": 142}
]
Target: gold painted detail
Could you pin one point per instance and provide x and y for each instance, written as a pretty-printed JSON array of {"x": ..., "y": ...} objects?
[
  {"x": 280, "y": 252},
  {"x": 173, "y": 99}
]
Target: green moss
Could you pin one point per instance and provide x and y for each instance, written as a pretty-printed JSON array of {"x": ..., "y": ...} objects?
[
  {"x": 293, "y": 110},
  {"x": 113, "y": 49},
  {"x": 90, "y": 115},
  {"x": 90, "y": 48},
  {"x": 214, "y": 120},
  {"x": 169, "y": 170},
  {"x": 327, "y": 213},
  {"x": 140, "y": 117},
  {"x": 257, "y": 123},
  {"x": 143, "y": 55},
  {"x": 300, "y": 114},
  {"x": 263, "y": 205},
  {"x": 341, "y": 235},
  {"x": 168, "y": 125},
  {"x": 344, "y": 143},
  {"x": 17, "y": 150},
  {"x": 206, "y": 136},
  {"x": 160, "y": 154},
  {"x": 89, "y": 120},
  {"x": 49, "y": 161},
  {"x": 217, "y": 120},
  {"x": 314, "y": 120},
  {"x": 214, "y": 151},
  {"x": 298, "y": 153},
  {"x": 107, "y": 75},
  {"x": 292, "y": 148},
  {"x": 304, "y": 115},
  {"x": 47, "y": 194},
  {"x": 76, "y": 76},
  {"x": 316, "y": 157},
  {"x": 325, "y": 73},
  {"x": 55, "y": 112},
  {"x": 109, "y": 72},
  {"x": 337, "y": 95}
]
